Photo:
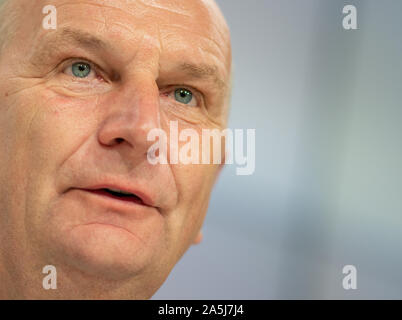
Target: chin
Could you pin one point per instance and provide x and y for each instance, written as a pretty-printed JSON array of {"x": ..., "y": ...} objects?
[{"x": 105, "y": 251}]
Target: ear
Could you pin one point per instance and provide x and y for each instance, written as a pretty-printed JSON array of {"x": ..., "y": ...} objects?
[{"x": 198, "y": 238}]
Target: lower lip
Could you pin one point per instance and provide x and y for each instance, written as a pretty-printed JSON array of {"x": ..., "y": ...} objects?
[{"x": 102, "y": 210}]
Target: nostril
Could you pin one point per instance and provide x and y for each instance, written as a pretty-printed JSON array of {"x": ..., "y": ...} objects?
[{"x": 119, "y": 140}]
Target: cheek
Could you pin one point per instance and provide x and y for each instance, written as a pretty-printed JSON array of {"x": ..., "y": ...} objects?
[
  {"x": 42, "y": 132},
  {"x": 194, "y": 183},
  {"x": 193, "y": 180},
  {"x": 37, "y": 137},
  {"x": 58, "y": 128}
]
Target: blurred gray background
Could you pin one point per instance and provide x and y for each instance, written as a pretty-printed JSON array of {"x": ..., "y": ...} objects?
[{"x": 326, "y": 106}]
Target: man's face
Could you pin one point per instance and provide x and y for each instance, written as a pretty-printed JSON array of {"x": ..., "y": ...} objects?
[{"x": 76, "y": 105}]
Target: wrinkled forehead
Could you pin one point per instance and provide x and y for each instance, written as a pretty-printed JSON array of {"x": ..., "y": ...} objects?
[{"x": 193, "y": 23}]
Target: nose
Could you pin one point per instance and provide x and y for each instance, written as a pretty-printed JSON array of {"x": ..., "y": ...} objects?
[{"x": 134, "y": 111}]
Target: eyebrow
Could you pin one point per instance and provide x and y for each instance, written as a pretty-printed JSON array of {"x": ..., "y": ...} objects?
[
  {"x": 203, "y": 71},
  {"x": 84, "y": 39},
  {"x": 55, "y": 43}
]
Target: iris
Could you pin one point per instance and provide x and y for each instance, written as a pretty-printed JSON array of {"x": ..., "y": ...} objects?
[
  {"x": 81, "y": 69},
  {"x": 183, "y": 95}
]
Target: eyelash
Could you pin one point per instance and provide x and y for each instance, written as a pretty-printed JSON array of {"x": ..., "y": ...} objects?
[{"x": 67, "y": 65}]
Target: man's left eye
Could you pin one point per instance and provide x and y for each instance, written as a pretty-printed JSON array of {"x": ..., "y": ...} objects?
[{"x": 185, "y": 96}]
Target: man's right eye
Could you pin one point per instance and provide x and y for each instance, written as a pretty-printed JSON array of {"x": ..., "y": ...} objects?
[{"x": 80, "y": 69}]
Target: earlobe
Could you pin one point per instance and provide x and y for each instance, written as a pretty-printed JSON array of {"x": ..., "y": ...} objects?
[{"x": 198, "y": 238}]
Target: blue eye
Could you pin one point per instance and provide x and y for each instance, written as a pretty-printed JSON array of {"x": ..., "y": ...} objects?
[
  {"x": 81, "y": 69},
  {"x": 183, "y": 95}
]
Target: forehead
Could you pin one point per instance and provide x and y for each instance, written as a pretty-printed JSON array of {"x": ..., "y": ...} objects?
[{"x": 195, "y": 28}]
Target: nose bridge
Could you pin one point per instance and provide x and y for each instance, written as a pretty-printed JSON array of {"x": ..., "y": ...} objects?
[
  {"x": 140, "y": 91},
  {"x": 141, "y": 102},
  {"x": 135, "y": 109},
  {"x": 134, "y": 113}
]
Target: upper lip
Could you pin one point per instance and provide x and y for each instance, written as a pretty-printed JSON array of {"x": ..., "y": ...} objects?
[{"x": 141, "y": 193}]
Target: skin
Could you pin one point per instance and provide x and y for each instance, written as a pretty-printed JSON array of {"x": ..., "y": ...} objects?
[{"x": 59, "y": 133}]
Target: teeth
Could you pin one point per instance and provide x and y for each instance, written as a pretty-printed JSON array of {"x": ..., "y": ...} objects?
[{"x": 121, "y": 191}]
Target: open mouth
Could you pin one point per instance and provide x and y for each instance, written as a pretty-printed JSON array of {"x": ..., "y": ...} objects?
[{"x": 118, "y": 195}]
